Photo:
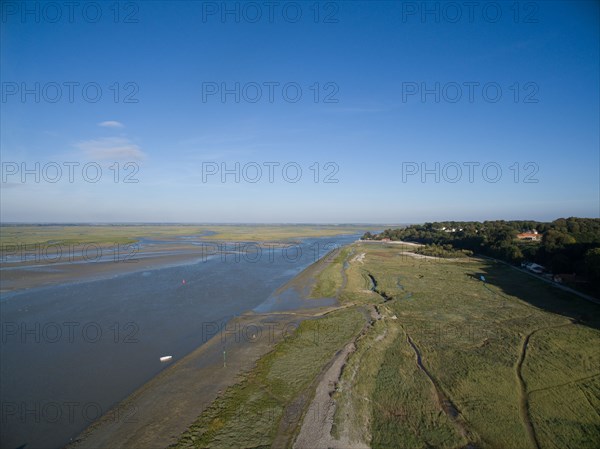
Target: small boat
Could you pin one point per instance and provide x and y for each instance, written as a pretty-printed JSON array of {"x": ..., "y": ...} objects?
[{"x": 166, "y": 358}]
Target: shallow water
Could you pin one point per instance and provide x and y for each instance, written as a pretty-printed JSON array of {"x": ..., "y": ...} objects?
[
  {"x": 291, "y": 300},
  {"x": 72, "y": 351}
]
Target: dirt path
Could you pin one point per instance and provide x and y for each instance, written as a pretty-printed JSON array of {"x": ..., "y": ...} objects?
[
  {"x": 315, "y": 431},
  {"x": 444, "y": 402},
  {"x": 423, "y": 256},
  {"x": 317, "y": 422},
  {"x": 524, "y": 397},
  {"x": 523, "y": 394},
  {"x": 392, "y": 242}
]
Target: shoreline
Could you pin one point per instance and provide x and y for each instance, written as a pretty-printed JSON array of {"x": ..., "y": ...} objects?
[
  {"x": 187, "y": 387},
  {"x": 157, "y": 413}
]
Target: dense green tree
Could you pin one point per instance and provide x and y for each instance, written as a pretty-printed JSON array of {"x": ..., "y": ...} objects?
[
  {"x": 553, "y": 240},
  {"x": 592, "y": 263}
]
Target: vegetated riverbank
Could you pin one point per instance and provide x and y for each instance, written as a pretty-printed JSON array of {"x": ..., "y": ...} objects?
[{"x": 443, "y": 360}]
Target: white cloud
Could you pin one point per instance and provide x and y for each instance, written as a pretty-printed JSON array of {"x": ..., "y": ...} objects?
[
  {"x": 111, "y": 124},
  {"x": 113, "y": 148}
]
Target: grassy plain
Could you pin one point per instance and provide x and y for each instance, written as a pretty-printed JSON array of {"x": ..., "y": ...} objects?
[
  {"x": 445, "y": 360},
  {"x": 510, "y": 362}
]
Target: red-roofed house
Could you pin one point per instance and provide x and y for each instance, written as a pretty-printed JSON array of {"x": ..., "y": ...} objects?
[{"x": 531, "y": 235}]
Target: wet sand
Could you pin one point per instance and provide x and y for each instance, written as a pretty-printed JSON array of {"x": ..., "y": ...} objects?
[
  {"x": 36, "y": 276},
  {"x": 50, "y": 270}
]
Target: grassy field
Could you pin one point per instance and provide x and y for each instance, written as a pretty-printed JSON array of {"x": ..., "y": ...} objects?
[
  {"x": 447, "y": 360},
  {"x": 110, "y": 234},
  {"x": 482, "y": 380}
]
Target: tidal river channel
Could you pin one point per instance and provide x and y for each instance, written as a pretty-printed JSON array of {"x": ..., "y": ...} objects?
[{"x": 70, "y": 352}]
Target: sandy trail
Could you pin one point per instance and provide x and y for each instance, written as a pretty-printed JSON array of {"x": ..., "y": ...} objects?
[
  {"x": 317, "y": 423},
  {"x": 418, "y": 256},
  {"x": 394, "y": 242},
  {"x": 318, "y": 420},
  {"x": 422, "y": 256}
]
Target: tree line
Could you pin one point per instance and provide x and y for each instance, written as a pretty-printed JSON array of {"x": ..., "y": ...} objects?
[{"x": 567, "y": 245}]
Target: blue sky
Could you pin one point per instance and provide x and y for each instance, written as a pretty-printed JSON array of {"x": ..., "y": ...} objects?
[{"x": 370, "y": 127}]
